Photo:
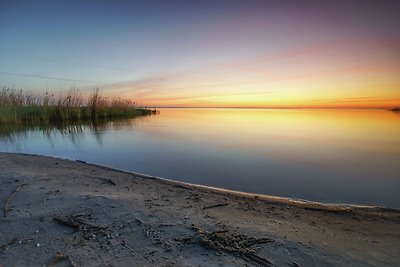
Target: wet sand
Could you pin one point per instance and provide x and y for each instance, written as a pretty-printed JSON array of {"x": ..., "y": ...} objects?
[{"x": 63, "y": 213}]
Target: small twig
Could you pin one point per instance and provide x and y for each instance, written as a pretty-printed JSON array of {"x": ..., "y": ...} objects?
[
  {"x": 44, "y": 179},
  {"x": 139, "y": 220},
  {"x": 107, "y": 181},
  {"x": 56, "y": 258},
  {"x": 133, "y": 250},
  {"x": 9, "y": 200},
  {"x": 88, "y": 223},
  {"x": 219, "y": 232},
  {"x": 10, "y": 243},
  {"x": 128, "y": 247},
  {"x": 90, "y": 197},
  {"x": 71, "y": 261},
  {"x": 216, "y": 205},
  {"x": 67, "y": 223},
  {"x": 167, "y": 224}
]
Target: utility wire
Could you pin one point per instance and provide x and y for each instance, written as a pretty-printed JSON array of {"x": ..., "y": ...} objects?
[{"x": 44, "y": 77}]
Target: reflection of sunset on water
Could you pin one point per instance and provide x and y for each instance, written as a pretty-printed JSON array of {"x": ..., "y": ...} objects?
[{"x": 348, "y": 156}]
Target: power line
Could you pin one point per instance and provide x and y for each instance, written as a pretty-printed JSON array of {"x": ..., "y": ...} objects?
[
  {"x": 44, "y": 77},
  {"x": 82, "y": 64}
]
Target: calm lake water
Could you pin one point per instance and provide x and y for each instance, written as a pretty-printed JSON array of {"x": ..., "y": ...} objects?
[{"x": 332, "y": 156}]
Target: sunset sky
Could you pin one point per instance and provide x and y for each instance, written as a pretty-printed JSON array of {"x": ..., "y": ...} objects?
[{"x": 333, "y": 54}]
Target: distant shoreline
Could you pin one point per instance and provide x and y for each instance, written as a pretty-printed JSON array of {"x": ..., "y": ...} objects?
[{"x": 277, "y": 108}]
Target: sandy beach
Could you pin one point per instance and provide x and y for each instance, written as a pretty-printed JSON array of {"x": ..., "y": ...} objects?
[{"x": 64, "y": 213}]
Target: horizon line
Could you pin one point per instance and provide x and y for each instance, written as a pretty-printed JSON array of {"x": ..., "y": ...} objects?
[{"x": 233, "y": 107}]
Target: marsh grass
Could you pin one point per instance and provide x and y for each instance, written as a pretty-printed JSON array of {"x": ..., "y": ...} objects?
[{"x": 21, "y": 108}]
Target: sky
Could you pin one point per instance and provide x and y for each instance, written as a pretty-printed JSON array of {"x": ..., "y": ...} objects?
[{"x": 270, "y": 54}]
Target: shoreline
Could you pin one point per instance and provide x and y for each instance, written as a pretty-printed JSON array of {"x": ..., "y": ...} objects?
[
  {"x": 58, "y": 212},
  {"x": 296, "y": 202}
]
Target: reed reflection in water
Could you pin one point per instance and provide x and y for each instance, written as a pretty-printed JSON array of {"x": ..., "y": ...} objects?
[
  {"x": 72, "y": 132},
  {"x": 339, "y": 156}
]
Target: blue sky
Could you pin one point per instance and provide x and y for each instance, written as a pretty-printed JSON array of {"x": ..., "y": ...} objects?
[{"x": 204, "y": 52}]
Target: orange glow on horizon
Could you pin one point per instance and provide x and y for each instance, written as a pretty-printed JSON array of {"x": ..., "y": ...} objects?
[
  {"x": 338, "y": 75},
  {"x": 260, "y": 100}
]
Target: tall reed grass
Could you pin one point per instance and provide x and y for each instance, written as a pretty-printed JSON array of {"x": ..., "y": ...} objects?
[{"x": 19, "y": 107}]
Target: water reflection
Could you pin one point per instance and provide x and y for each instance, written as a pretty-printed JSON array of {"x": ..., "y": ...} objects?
[
  {"x": 341, "y": 156},
  {"x": 13, "y": 134}
]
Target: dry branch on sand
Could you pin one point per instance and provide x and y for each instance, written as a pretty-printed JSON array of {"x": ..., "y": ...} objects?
[
  {"x": 238, "y": 245},
  {"x": 76, "y": 222},
  {"x": 215, "y": 206},
  {"x": 8, "y": 244},
  {"x": 67, "y": 222},
  {"x": 6, "y": 209}
]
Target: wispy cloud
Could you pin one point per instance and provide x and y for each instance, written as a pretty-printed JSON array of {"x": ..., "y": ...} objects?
[
  {"x": 340, "y": 62},
  {"x": 358, "y": 99}
]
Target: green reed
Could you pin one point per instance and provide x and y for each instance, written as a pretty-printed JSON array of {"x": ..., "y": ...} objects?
[{"x": 19, "y": 107}]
